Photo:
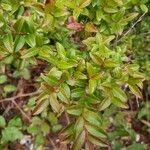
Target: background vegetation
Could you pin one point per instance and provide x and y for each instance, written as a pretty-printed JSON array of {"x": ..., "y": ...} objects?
[{"x": 75, "y": 74}]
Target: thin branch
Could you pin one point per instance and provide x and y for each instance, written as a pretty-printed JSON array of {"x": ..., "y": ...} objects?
[
  {"x": 147, "y": 123},
  {"x": 130, "y": 29},
  {"x": 137, "y": 101},
  {"x": 23, "y": 113},
  {"x": 19, "y": 96},
  {"x": 6, "y": 110},
  {"x": 53, "y": 144},
  {"x": 67, "y": 118},
  {"x": 144, "y": 33}
]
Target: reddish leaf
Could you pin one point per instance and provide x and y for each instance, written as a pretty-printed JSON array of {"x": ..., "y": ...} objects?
[{"x": 72, "y": 24}]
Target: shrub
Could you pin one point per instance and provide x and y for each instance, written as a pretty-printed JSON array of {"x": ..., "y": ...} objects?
[{"x": 87, "y": 68}]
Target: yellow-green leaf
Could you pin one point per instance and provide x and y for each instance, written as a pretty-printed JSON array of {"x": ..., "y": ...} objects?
[
  {"x": 84, "y": 3},
  {"x": 135, "y": 90}
]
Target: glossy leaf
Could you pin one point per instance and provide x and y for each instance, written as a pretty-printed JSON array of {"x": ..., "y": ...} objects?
[
  {"x": 92, "y": 118},
  {"x": 79, "y": 141},
  {"x": 95, "y": 131},
  {"x": 40, "y": 106},
  {"x": 8, "y": 42},
  {"x": 79, "y": 126},
  {"x": 31, "y": 41},
  {"x": 19, "y": 43},
  {"x": 104, "y": 104},
  {"x": 74, "y": 110},
  {"x": 54, "y": 103},
  {"x": 84, "y": 3},
  {"x": 116, "y": 101},
  {"x": 30, "y": 53},
  {"x": 64, "y": 93},
  {"x": 61, "y": 51},
  {"x": 97, "y": 141},
  {"x": 2, "y": 122},
  {"x": 135, "y": 90},
  {"x": 119, "y": 93}
]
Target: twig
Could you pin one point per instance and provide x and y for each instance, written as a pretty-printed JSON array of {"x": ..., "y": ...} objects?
[
  {"x": 23, "y": 113},
  {"x": 53, "y": 144},
  {"x": 67, "y": 118},
  {"x": 127, "y": 32},
  {"x": 7, "y": 110},
  {"x": 147, "y": 123},
  {"x": 137, "y": 101},
  {"x": 20, "y": 95}
]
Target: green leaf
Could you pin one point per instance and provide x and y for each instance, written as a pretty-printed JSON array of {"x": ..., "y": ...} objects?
[
  {"x": 15, "y": 122},
  {"x": 92, "y": 118},
  {"x": 34, "y": 130},
  {"x": 99, "y": 15},
  {"x": 84, "y": 3},
  {"x": 119, "y": 93},
  {"x": 49, "y": 58},
  {"x": 11, "y": 134},
  {"x": 109, "y": 39},
  {"x": 135, "y": 90},
  {"x": 116, "y": 101},
  {"x": 39, "y": 140},
  {"x": 77, "y": 92},
  {"x": 79, "y": 141},
  {"x": 79, "y": 126},
  {"x": 31, "y": 102},
  {"x": 137, "y": 146},
  {"x": 92, "y": 86},
  {"x": 95, "y": 131},
  {"x": 110, "y": 63},
  {"x": 119, "y": 2},
  {"x": 8, "y": 42},
  {"x": 90, "y": 69},
  {"x": 144, "y": 8},
  {"x": 96, "y": 59},
  {"x": 2, "y": 122},
  {"x": 6, "y": 6},
  {"x": 3, "y": 79},
  {"x": 30, "y": 53},
  {"x": 54, "y": 103},
  {"x": 130, "y": 17},
  {"x": 64, "y": 93},
  {"x": 66, "y": 65},
  {"x": 26, "y": 74},
  {"x": 56, "y": 128},
  {"x": 40, "y": 106},
  {"x": 68, "y": 131},
  {"x": 51, "y": 80},
  {"x": 97, "y": 141},
  {"x": 110, "y": 10},
  {"x": 74, "y": 110},
  {"x": 119, "y": 15},
  {"x": 45, "y": 128},
  {"x": 19, "y": 43},
  {"x": 55, "y": 72},
  {"x": 31, "y": 40},
  {"x": 52, "y": 118},
  {"x": 19, "y": 24},
  {"x": 9, "y": 88},
  {"x": 36, "y": 121},
  {"x": 104, "y": 104},
  {"x": 61, "y": 51},
  {"x": 9, "y": 59}
]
